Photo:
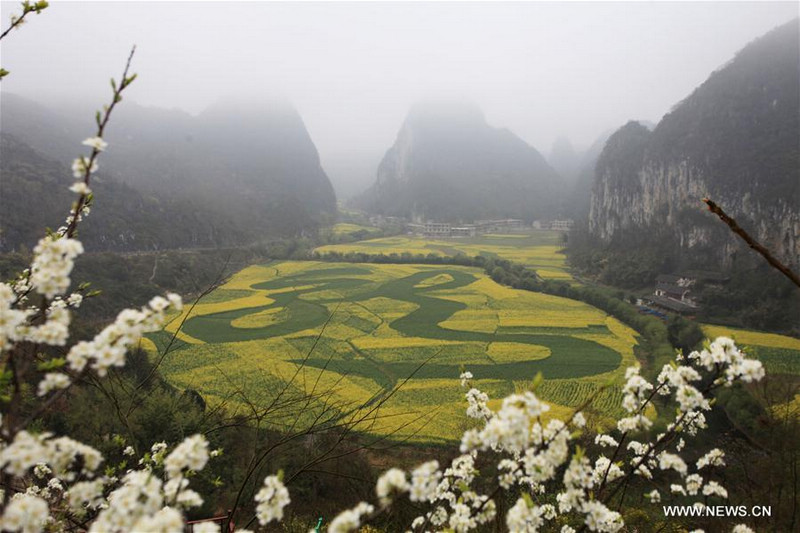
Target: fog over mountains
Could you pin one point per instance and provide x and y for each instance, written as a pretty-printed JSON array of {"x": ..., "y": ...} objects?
[
  {"x": 735, "y": 139},
  {"x": 448, "y": 163},
  {"x": 245, "y": 172}
]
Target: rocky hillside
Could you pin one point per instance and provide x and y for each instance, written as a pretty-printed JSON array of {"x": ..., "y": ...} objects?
[
  {"x": 253, "y": 170},
  {"x": 448, "y": 163},
  {"x": 34, "y": 195},
  {"x": 735, "y": 139}
]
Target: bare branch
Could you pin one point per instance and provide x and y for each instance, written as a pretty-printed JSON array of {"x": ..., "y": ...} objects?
[{"x": 751, "y": 242}]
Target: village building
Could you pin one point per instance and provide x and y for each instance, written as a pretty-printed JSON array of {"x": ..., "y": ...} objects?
[
  {"x": 562, "y": 225},
  {"x": 499, "y": 226},
  {"x": 679, "y": 293},
  {"x": 437, "y": 229},
  {"x": 445, "y": 229},
  {"x": 467, "y": 230}
]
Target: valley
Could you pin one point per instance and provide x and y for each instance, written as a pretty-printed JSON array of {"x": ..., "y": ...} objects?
[
  {"x": 327, "y": 274},
  {"x": 541, "y": 250},
  {"x": 401, "y": 332}
]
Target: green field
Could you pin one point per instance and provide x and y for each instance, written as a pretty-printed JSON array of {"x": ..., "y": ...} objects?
[
  {"x": 359, "y": 331},
  {"x": 779, "y": 353},
  {"x": 345, "y": 228},
  {"x": 538, "y": 249}
]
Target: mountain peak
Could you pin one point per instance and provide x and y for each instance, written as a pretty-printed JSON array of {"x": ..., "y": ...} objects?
[
  {"x": 449, "y": 164},
  {"x": 445, "y": 112},
  {"x": 733, "y": 139}
]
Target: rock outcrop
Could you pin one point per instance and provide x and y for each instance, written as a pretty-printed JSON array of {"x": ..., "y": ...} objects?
[{"x": 735, "y": 139}]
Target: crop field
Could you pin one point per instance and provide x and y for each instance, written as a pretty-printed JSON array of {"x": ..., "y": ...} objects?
[
  {"x": 393, "y": 338},
  {"x": 344, "y": 228},
  {"x": 538, "y": 249},
  {"x": 779, "y": 353}
]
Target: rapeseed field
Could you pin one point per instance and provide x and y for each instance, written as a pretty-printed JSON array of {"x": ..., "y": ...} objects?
[{"x": 394, "y": 337}]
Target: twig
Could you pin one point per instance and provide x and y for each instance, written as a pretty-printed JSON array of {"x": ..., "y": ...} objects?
[
  {"x": 26, "y": 9},
  {"x": 102, "y": 122},
  {"x": 734, "y": 226}
]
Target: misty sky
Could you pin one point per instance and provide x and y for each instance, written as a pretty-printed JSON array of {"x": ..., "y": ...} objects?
[{"x": 543, "y": 70}]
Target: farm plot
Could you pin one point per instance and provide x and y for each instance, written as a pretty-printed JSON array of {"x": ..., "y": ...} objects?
[
  {"x": 344, "y": 228},
  {"x": 537, "y": 249},
  {"x": 391, "y": 337},
  {"x": 779, "y": 354}
]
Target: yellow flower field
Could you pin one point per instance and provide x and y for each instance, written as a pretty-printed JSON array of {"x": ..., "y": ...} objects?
[
  {"x": 537, "y": 249},
  {"x": 395, "y": 337},
  {"x": 752, "y": 338}
]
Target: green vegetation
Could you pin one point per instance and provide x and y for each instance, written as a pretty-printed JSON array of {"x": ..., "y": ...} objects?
[
  {"x": 779, "y": 353},
  {"x": 537, "y": 249},
  {"x": 356, "y": 230},
  {"x": 364, "y": 329}
]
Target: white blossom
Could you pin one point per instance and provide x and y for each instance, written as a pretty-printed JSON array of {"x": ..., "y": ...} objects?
[
  {"x": 424, "y": 481},
  {"x": 25, "y": 513},
  {"x": 53, "y": 381},
  {"x": 95, "y": 142},
  {"x": 522, "y": 518},
  {"x": 477, "y": 404},
  {"x": 712, "y": 488},
  {"x": 714, "y": 457},
  {"x": 271, "y": 500},
  {"x": 668, "y": 461},
  {"x": 605, "y": 440},
  {"x": 461, "y": 519},
  {"x": 350, "y": 520},
  {"x": 85, "y": 494},
  {"x": 191, "y": 454},
  {"x": 601, "y": 518},
  {"x": 206, "y": 527},
  {"x": 80, "y": 187},
  {"x": 393, "y": 481},
  {"x": 53, "y": 260},
  {"x": 80, "y": 166}
]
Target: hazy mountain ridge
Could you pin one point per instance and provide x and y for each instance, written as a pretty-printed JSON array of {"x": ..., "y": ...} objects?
[
  {"x": 565, "y": 159},
  {"x": 447, "y": 163},
  {"x": 581, "y": 180},
  {"x": 734, "y": 139},
  {"x": 245, "y": 172},
  {"x": 122, "y": 219}
]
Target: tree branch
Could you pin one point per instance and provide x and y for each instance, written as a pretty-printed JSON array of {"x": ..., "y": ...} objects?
[{"x": 752, "y": 243}]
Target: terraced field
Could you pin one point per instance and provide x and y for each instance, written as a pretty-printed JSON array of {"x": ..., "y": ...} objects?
[
  {"x": 363, "y": 333},
  {"x": 538, "y": 249}
]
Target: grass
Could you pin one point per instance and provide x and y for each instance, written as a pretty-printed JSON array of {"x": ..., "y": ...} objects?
[
  {"x": 360, "y": 331},
  {"x": 537, "y": 249}
]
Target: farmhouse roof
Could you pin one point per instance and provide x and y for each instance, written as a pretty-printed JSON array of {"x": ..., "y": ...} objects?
[{"x": 672, "y": 305}]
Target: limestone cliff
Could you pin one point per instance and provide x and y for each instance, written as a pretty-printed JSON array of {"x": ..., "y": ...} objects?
[{"x": 735, "y": 139}]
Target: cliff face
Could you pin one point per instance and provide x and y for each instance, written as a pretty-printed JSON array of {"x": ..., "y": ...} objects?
[
  {"x": 735, "y": 140},
  {"x": 448, "y": 163}
]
